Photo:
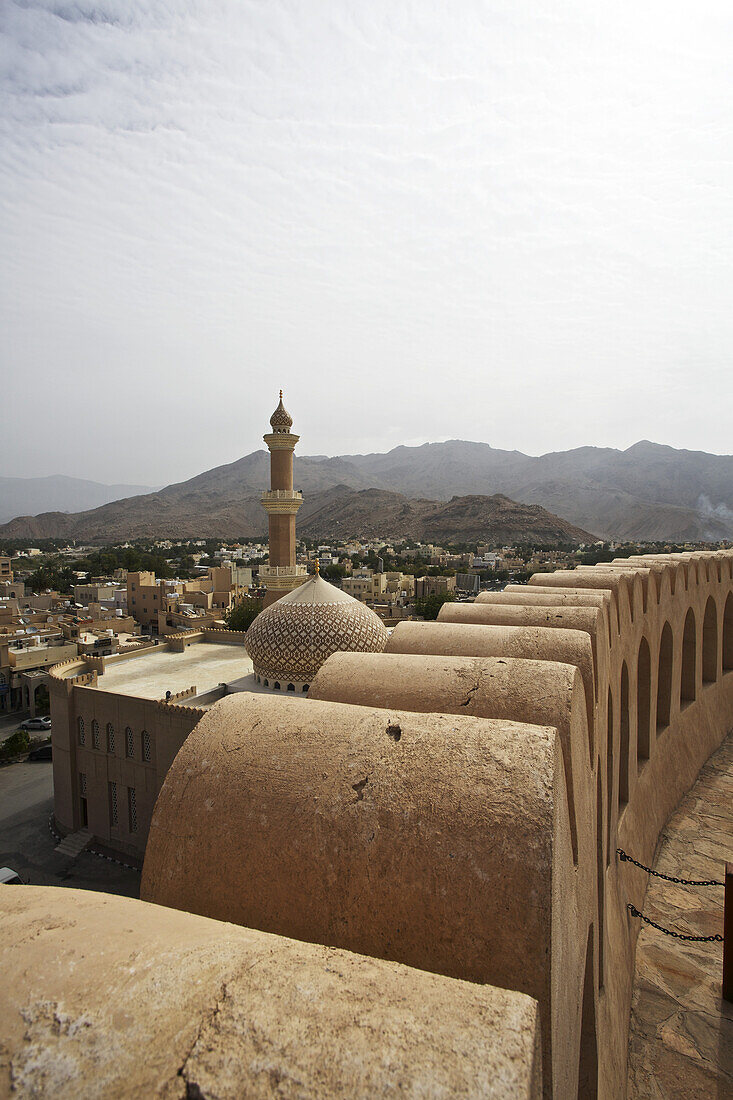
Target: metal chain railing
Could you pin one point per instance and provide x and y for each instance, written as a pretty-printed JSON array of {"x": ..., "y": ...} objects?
[
  {"x": 622, "y": 855},
  {"x": 668, "y": 931},
  {"x": 668, "y": 878}
]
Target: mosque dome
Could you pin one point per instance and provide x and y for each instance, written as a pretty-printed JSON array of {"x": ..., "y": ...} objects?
[
  {"x": 281, "y": 420},
  {"x": 289, "y": 641}
]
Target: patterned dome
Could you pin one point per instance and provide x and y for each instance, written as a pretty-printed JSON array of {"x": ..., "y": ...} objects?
[
  {"x": 289, "y": 641},
  {"x": 281, "y": 420}
]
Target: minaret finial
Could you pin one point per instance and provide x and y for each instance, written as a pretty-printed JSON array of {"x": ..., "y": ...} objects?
[
  {"x": 318, "y": 568},
  {"x": 281, "y": 395}
]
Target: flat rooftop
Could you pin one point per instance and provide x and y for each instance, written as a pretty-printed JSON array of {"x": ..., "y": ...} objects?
[{"x": 158, "y": 670}]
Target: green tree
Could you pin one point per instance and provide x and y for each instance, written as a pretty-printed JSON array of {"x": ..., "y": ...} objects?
[
  {"x": 429, "y": 606},
  {"x": 15, "y": 744},
  {"x": 243, "y": 613}
]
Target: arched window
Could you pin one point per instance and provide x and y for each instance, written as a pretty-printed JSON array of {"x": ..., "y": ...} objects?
[
  {"x": 95, "y": 733},
  {"x": 710, "y": 643},
  {"x": 291, "y": 687},
  {"x": 588, "y": 1064},
  {"x": 609, "y": 775},
  {"x": 664, "y": 679},
  {"x": 599, "y": 874},
  {"x": 689, "y": 660},
  {"x": 147, "y": 746},
  {"x": 643, "y": 701},
  {"x": 305, "y": 687},
  {"x": 129, "y": 742},
  {"x": 276, "y": 685},
  {"x": 728, "y": 633},
  {"x": 80, "y": 727},
  {"x": 623, "y": 760},
  {"x": 110, "y": 737}
]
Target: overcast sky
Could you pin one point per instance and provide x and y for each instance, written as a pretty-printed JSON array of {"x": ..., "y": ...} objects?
[{"x": 507, "y": 221}]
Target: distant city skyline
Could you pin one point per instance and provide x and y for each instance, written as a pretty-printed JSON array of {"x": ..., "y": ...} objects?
[{"x": 501, "y": 223}]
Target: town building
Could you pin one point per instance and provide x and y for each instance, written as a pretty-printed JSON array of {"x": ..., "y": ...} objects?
[
  {"x": 163, "y": 606},
  {"x": 118, "y": 722},
  {"x": 434, "y": 586}
]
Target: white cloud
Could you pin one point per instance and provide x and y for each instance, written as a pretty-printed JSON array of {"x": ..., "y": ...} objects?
[{"x": 505, "y": 222}]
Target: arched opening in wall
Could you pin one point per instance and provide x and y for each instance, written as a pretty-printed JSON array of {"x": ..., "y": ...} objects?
[
  {"x": 710, "y": 643},
  {"x": 588, "y": 1065},
  {"x": 623, "y": 752},
  {"x": 689, "y": 660},
  {"x": 276, "y": 685},
  {"x": 664, "y": 679},
  {"x": 599, "y": 873},
  {"x": 305, "y": 687},
  {"x": 291, "y": 687},
  {"x": 728, "y": 633},
  {"x": 609, "y": 776},
  {"x": 643, "y": 701}
]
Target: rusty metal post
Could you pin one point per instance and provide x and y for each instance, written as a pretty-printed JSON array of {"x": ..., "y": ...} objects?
[{"x": 728, "y": 935}]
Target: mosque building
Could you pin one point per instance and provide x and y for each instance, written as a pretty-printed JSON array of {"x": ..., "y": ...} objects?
[
  {"x": 297, "y": 631},
  {"x": 118, "y": 721}
]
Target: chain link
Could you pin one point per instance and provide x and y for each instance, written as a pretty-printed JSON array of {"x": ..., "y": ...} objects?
[
  {"x": 667, "y": 878},
  {"x": 668, "y": 931}
]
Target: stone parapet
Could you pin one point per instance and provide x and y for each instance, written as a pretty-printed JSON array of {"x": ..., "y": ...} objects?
[{"x": 169, "y": 1004}]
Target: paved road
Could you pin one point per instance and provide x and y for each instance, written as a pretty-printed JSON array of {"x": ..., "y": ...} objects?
[
  {"x": 23, "y": 787},
  {"x": 10, "y": 722},
  {"x": 26, "y": 845}
]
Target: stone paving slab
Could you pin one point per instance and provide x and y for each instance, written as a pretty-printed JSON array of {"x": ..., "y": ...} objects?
[{"x": 681, "y": 1037}]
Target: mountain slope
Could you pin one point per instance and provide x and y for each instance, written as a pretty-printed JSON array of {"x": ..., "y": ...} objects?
[
  {"x": 342, "y": 512},
  {"x": 648, "y": 492}
]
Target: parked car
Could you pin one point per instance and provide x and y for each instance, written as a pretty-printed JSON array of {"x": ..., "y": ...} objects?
[
  {"x": 41, "y": 753},
  {"x": 9, "y": 877},
  {"x": 36, "y": 724}
]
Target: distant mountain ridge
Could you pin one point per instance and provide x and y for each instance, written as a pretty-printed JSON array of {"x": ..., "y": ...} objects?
[
  {"x": 22, "y": 495},
  {"x": 648, "y": 492}
]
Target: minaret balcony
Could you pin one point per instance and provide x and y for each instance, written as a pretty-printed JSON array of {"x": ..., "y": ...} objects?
[
  {"x": 282, "y": 578},
  {"x": 282, "y": 501},
  {"x": 281, "y": 441}
]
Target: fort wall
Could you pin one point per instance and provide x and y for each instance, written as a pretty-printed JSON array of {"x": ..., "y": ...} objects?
[{"x": 646, "y": 644}]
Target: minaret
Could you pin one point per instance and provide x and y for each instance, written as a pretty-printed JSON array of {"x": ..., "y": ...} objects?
[{"x": 281, "y": 503}]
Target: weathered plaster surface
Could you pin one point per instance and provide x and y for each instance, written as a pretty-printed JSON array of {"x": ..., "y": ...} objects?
[{"x": 104, "y": 996}]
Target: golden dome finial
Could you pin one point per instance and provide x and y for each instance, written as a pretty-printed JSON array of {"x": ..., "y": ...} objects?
[
  {"x": 281, "y": 395},
  {"x": 318, "y": 567}
]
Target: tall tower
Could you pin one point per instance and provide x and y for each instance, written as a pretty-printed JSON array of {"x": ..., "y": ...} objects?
[{"x": 281, "y": 574}]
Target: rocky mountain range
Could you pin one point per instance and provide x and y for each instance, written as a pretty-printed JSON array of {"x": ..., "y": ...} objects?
[
  {"x": 340, "y": 512},
  {"x": 647, "y": 493}
]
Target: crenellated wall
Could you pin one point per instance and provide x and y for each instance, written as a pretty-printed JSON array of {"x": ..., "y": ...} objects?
[{"x": 457, "y": 802}]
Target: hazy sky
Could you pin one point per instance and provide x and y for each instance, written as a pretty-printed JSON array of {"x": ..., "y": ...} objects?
[{"x": 507, "y": 221}]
